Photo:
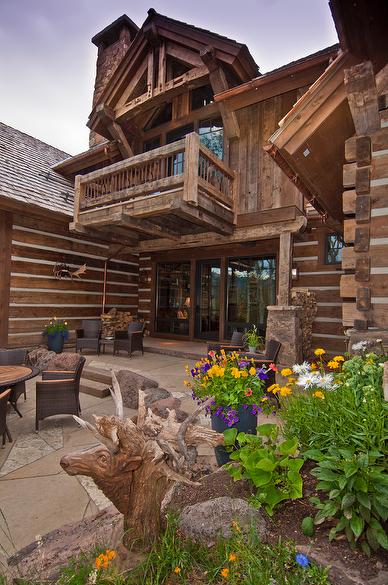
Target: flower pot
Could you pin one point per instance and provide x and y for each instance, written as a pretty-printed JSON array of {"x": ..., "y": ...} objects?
[
  {"x": 247, "y": 423},
  {"x": 55, "y": 342},
  {"x": 251, "y": 349}
]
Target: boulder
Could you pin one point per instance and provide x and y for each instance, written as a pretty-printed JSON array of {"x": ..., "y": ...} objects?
[
  {"x": 207, "y": 521},
  {"x": 161, "y": 408},
  {"x": 130, "y": 384},
  {"x": 39, "y": 357}
]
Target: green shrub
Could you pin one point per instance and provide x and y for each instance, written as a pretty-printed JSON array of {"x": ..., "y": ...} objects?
[
  {"x": 356, "y": 485},
  {"x": 353, "y": 414},
  {"x": 271, "y": 466}
]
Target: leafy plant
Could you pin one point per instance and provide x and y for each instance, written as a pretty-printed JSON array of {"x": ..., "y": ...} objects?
[
  {"x": 307, "y": 526},
  {"x": 55, "y": 327},
  {"x": 272, "y": 467},
  {"x": 357, "y": 488},
  {"x": 252, "y": 337}
]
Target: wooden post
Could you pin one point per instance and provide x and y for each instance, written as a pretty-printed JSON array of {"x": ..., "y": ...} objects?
[
  {"x": 190, "y": 186},
  {"x": 5, "y": 273},
  {"x": 223, "y": 293},
  {"x": 193, "y": 299},
  {"x": 77, "y": 197},
  {"x": 284, "y": 268},
  {"x": 385, "y": 381},
  {"x": 362, "y": 97}
]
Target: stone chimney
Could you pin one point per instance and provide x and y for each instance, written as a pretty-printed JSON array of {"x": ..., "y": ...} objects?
[{"x": 112, "y": 43}]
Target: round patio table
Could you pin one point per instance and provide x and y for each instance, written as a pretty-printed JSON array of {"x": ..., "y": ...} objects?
[{"x": 12, "y": 375}]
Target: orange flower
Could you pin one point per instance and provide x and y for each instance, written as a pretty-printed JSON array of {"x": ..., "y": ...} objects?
[
  {"x": 248, "y": 392},
  {"x": 319, "y": 394},
  {"x": 177, "y": 570},
  {"x": 273, "y": 367},
  {"x": 314, "y": 366},
  {"x": 232, "y": 557},
  {"x": 225, "y": 573},
  {"x": 333, "y": 365},
  {"x": 111, "y": 554},
  {"x": 285, "y": 391}
]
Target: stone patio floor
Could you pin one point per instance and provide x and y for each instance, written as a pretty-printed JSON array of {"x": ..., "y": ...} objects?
[{"x": 36, "y": 495}]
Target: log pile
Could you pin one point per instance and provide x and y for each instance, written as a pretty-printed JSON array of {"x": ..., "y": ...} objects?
[
  {"x": 115, "y": 320},
  {"x": 305, "y": 298}
]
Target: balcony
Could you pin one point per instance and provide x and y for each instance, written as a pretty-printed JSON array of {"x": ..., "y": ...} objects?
[{"x": 178, "y": 189}]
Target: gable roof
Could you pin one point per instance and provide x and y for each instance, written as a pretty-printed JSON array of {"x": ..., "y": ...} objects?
[{"x": 26, "y": 175}]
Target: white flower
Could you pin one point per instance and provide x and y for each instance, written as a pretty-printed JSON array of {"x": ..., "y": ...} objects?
[
  {"x": 325, "y": 381},
  {"x": 379, "y": 341},
  {"x": 308, "y": 379},
  {"x": 301, "y": 368},
  {"x": 360, "y": 345}
]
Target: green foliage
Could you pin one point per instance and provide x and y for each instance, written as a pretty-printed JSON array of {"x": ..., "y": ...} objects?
[
  {"x": 354, "y": 413},
  {"x": 252, "y": 337},
  {"x": 307, "y": 526},
  {"x": 356, "y": 485},
  {"x": 271, "y": 466},
  {"x": 56, "y": 326}
]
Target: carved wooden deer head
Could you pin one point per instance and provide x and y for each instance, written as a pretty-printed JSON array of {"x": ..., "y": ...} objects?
[{"x": 136, "y": 463}]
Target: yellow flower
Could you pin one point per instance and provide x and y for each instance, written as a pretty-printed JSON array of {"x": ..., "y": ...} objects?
[
  {"x": 319, "y": 351},
  {"x": 186, "y": 383},
  {"x": 235, "y": 526},
  {"x": 252, "y": 371},
  {"x": 319, "y": 394},
  {"x": 235, "y": 373},
  {"x": 285, "y": 391},
  {"x": 264, "y": 399},
  {"x": 244, "y": 374},
  {"x": 291, "y": 380},
  {"x": 273, "y": 388},
  {"x": 232, "y": 557},
  {"x": 338, "y": 358},
  {"x": 177, "y": 570},
  {"x": 286, "y": 372},
  {"x": 222, "y": 352},
  {"x": 314, "y": 366},
  {"x": 225, "y": 573},
  {"x": 333, "y": 365}
]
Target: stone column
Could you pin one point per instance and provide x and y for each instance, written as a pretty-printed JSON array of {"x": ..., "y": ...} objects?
[{"x": 283, "y": 324}]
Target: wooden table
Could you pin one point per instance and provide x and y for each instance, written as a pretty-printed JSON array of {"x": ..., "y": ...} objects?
[{"x": 12, "y": 375}]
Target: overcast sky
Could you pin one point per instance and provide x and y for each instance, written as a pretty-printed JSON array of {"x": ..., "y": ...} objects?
[{"x": 47, "y": 62}]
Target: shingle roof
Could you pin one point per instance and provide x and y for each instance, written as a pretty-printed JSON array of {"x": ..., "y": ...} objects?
[{"x": 26, "y": 174}]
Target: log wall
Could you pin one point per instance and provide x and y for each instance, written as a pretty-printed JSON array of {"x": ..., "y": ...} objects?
[
  {"x": 36, "y": 295},
  {"x": 324, "y": 280}
]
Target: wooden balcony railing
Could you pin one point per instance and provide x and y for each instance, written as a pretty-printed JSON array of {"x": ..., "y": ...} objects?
[{"x": 186, "y": 166}]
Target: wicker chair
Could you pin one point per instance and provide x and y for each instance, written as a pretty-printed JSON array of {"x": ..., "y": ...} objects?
[
  {"x": 4, "y": 432},
  {"x": 58, "y": 393},
  {"x": 236, "y": 344},
  {"x": 89, "y": 336},
  {"x": 15, "y": 357},
  {"x": 130, "y": 340}
]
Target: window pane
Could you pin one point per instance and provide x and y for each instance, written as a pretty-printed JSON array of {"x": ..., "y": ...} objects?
[
  {"x": 211, "y": 133},
  {"x": 173, "y": 298},
  {"x": 251, "y": 288},
  {"x": 334, "y": 245},
  {"x": 201, "y": 97},
  {"x": 179, "y": 133},
  {"x": 151, "y": 144}
]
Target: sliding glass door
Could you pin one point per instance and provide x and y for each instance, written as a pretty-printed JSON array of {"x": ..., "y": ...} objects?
[
  {"x": 173, "y": 298},
  {"x": 207, "y": 301}
]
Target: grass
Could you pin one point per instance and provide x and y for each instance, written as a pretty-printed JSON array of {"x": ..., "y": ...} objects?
[{"x": 241, "y": 560}]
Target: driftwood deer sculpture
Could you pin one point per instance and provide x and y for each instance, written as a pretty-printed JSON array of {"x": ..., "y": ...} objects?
[{"x": 137, "y": 463}]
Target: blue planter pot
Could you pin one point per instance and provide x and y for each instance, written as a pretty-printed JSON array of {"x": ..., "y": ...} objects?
[
  {"x": 247, "y": 424},
  {"x": 55, "y": 342}
]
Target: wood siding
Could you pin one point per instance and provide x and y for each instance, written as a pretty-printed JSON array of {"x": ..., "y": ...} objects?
[
  {"x": 324, "y": 280},
  {"x": 36, "y": 295}
]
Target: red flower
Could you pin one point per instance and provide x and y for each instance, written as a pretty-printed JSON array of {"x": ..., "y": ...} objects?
[
  {"x": 212, "y": 353},
  {"x": 273, "y": 367},
  {"x": 248, "y": 392}
]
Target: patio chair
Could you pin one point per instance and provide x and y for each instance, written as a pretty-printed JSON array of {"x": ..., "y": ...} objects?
[
  {"x": 236, "y": 344},
  {"x": 15, "y": 357},
  {"x": 89, "y": 336},
  {"x": 58, "y": 392},
  {"x": 130, "y": 340},
  {"x": 4, "y": 432}
]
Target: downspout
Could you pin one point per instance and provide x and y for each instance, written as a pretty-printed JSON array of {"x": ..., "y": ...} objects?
[{"x": 104, "y": 285}]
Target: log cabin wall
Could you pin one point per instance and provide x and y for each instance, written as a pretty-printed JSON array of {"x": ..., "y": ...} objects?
[
  {"x": 324, "y": 280},
  {"x": 36, "y": 295},
  {"x": 261, "y": 184}
]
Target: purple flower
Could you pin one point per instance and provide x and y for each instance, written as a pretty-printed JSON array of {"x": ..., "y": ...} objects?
[
  {"x": 205, "y": 367},
  {"x": 302, "y": 560},
  {"x": 261, "y": 374},
  {"x": 244, "y": 364}
]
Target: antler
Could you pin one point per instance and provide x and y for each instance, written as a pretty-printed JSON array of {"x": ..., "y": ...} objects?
[
  {"x": 117, "y": 396},
  {"x": 111, "y": 443}
]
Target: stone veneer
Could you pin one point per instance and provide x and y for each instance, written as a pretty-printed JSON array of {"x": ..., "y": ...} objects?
[{"x": 283, "y": 324}]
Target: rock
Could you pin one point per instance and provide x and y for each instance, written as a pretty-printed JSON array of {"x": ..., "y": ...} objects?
[
  {"x": 161, "y": 407},
  {"x": 130, "y": 384},
  {"x": 212, "y": 519},
  {"x": 39, "y": 357}
]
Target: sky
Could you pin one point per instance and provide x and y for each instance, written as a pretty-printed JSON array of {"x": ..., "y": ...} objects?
[{"x": 47, "y": 62}]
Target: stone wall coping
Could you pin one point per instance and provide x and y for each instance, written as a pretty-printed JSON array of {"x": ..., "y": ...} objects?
[{"x": 284, "y": 308}]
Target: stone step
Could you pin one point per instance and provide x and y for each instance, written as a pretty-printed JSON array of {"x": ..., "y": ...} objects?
[
  {"x": 97, "y": 375},
  {"x": 98, "y": 389}
]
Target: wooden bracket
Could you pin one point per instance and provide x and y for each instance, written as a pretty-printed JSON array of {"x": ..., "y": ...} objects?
[
  {"x": 362, "y": 180},
  {"x": 363, "y": 298},
  {"x": 361, "y": 239},
  {"x": 106, "y": 115},
  {"x": 362, "y": 269},
  {"x": 363, "y": 207}
]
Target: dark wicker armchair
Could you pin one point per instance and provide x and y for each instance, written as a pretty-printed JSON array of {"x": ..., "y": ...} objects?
[
  {"x": 15, "y": 357},
  {"x": 89, "y": 336},
  {"x": 58, "y": 392},
  {"x": 4, "y": 432},
  {"x": 236, "y": 344},
  {"x": 130, "y": 340}
]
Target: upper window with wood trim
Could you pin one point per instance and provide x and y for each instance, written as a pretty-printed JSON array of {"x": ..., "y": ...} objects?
[
  {"x": 211, "y": 135},
  {"x": 201, "y": 97},
  {"x": 334, "y": 244}
]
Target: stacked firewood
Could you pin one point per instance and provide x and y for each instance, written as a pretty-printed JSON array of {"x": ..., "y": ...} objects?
[
  {"x": 115, "y": 320},
  {"x": 305, "y": 298}
]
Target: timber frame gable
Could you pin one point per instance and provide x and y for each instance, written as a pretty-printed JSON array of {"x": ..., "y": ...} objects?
[{"x": 165, "y": 59}]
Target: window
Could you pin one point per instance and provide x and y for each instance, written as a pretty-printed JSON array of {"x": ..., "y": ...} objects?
[
  {"x": 251, "y": 288},
  {"x": 201, "y": 97},
  {"x": 151, "y": 144},
  {"x": 173, "y": 298},
  {"x": 333, "y": 248},
  {"x": 211, "y": 134}
]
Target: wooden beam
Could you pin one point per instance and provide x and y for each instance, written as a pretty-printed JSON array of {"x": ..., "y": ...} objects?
[
  {"x": 284, "y": 269},
  {"x": 150, "y": 74},
  {"x": 239, "y": 235},
  {"x": 106, "y": 116},
  {"x": 5, "y": 272},
  {"x": 362, "y": 97},
  {"x": 183, "y": 54},
  {"x": 190, "y": 188},
  {"x": 202, "y": 218},
  {"x": 102, "y": 235}
]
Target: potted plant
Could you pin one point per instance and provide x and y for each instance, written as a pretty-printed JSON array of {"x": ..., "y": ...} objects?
[
  {"x": 253, "y": 339},
  {"x": 238, "y": 390},
  {"x": 56, "y": 332}
]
